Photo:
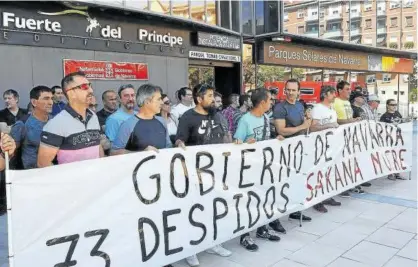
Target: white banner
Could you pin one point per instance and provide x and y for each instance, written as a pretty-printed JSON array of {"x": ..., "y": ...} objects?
[{"x": 151, "y": 209}]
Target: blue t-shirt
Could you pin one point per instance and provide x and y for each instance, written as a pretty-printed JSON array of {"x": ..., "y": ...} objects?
[
  {"x": 28, "y": 134},
  {"x": 136, "y": 134},
  {"x": 114, "y": 122},
  {"x": 250, "y": 126},
  {"x": 293, "y": 114},
  {"x": 57, "y": 107}
]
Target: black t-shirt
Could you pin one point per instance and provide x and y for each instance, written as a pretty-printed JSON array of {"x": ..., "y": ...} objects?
[
  {"x": 357, "y": 112},
  {"x": 197, "y": 129},
  {"x": 147, "y": 133},
  {"x": 389, "y": 117},
  {"x": 10, "y": 119},
  {"x": 102, "y": 115}
]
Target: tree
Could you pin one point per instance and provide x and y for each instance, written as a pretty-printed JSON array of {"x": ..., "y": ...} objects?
[
  {"x": 413, "y": 80},
  {"x": 413, "y": 95},
  {"x": 248, "y": 72}
]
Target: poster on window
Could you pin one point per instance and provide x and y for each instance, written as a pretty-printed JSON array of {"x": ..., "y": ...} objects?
[{"x": 107, "y": 70}]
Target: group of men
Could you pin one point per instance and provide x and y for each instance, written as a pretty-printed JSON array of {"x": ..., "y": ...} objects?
[{"x": 55, "y": 132}]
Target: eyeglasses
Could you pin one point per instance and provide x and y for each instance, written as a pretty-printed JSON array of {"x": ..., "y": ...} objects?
[
  {"x": 83, "y": 86},
  {"x": 392, "y": 105}
]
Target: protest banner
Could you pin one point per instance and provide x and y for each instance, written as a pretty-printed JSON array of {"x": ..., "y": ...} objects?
[{"x": 151, "y": 209}]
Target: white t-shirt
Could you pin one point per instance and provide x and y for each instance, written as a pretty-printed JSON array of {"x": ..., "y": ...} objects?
[
  {"x": 179, "y": 109},
  {"x": 324, "y": 114}
]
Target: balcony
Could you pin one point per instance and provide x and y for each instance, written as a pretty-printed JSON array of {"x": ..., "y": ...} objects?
[
  {"x": 355, "y": 15},
  {"x": 355, "y": 31},
  {"x": 381, "y": 30},
  {"x": 312, "y": 17},
  {"x": 313, "y": 34},
  {"x": 334, "y": 16},
  {"x": 333, "y": 33},
  {"x": 381, "y": 12}
]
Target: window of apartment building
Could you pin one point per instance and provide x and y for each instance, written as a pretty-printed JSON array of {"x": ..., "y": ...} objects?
[
  {"x": 393, "y": 22},
  {"x": 381, "y": 23},
  {"x": 402, "y": 92},
  {"x": 370, "y": 79},
  {"x": 409, "y": 21},
  {"x": 355, "y": 25},
  {"x": 312, "y": 27},
  {"x": 410, "y": 38},
  {"x": 285, "y": 16},
  {"x": 314, "y": 13},
  {"x": 386, "y": 77},
  {"x": 335, "y": 12},
  {"x": 301, "y": 13},
  {"x": 395, "y": 4},
  {"x": 368, "y": 6},
  {"x": 381, "y": 5},
  {"x": 368, "y": 23},
  {"x": 335, "y": 26},
  {"x": 383, "y": 92},
  {"x": 408, "y": 3},
  {"x": 301, "y": 29},
  {"x": 395, "y": 92},
  {"x": 393, "y": 39}
]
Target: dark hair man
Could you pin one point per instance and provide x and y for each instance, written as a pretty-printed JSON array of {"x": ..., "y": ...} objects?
[
  {"x": 74, "y": 134},
  {"x": 185, "y": 96},
  {"x": 233, "y": 104},
  {"x": 324, "y": 117},
  {"x": 245, "y": 105},
  {"x": 201, "y": 126},
  {"x": 127, "y": 104},
  {"x": 145, "y": 131},
  {"x": 289, "y": 120},
  {"x": 254, "y": 126},
  {"x": 357, "y": 100},
  {"x": 12, "y": 113},
  {"x": 224, "y": 122},
  {"x": 392, "y": 116},
  {"x": 27, "y": 133},
  {"x": 110, "y": 105},
  {"x": 58, "y": 97}
]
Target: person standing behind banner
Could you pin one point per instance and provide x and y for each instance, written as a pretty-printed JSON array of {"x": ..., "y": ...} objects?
[
  {"x": 244, "y": 106},
  {"x": 254, "y": 126},
  {"x": 110, "y": 105},
  {"x": 224, "y": 122},
  {"x": 345, "y": 116},
  {"x": 394, "y": 117},
  {"x": 12, "y": 113},
  {"x": 127, "y": 104},
  {"x": 289, "y": 120},
  {"x": 27, "y": 133},
  {"x": 185, "y": 96},
  {"x": 324, "y": 117},
  {"x": 74, "y": 134},
  {"x": 170, "y": 120},
  {"x": 228, "y": 113},
  {"x": 59, "y": 98},
  {"x": 201, "y": 126},
  {"x": 145, "y": 131}
]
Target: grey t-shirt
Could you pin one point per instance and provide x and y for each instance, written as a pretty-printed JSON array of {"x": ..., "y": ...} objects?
[{"x": 293, "y": 114}]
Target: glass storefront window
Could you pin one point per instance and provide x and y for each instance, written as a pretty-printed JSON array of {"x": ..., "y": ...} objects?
[
  {"x": 259, "y": 17},
  {"x": 180, "y": 8},
  {"x": 160, "y": 6},
  {"x": 247, "y": 17},
  {"x": 225, "y": 14},
  {"x": 197, "y": 10},
  {"x": 211, "y": 12}
]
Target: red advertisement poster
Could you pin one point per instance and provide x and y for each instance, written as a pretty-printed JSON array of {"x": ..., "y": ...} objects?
[{"x": 107, "y": 70}]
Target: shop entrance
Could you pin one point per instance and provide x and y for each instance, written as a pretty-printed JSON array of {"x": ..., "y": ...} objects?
[{"x": 225, "y": 76}]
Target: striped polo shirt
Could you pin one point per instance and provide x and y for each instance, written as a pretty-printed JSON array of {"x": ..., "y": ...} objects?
[{"x": 77, "y": 139}]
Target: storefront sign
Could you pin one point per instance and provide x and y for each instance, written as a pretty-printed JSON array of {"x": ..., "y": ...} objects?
[
  {"x": 214, "y": 56},
  {"x": 390, "y": 64},
  {"x": 307, "y": 56},
  {"x": 106, "y": 70},
  {"x": 57, "y": 25},
  {"x": 218, "y": 41}
]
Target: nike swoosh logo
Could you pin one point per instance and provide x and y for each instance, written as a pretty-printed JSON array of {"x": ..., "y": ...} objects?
[
  {"x": 201, "y": 131},
  {"x": 214, "y": 126}
]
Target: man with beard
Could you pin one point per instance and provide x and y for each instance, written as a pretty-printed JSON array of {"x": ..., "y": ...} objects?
[
  {"x": 110, "y": 105},
  {"x": 201, "y": 126},
  {"x": 224, "y": 122},
  {"x": 245, "y": 105},
  {"x": 27, "y": 133},
  {"x": 289, "y": 120},
  {"x": 324, "y": 117},
  {"x": 126, "y": 110},
  {"x": 254, "y": 126},
  {"x": 74, "y": 134}
]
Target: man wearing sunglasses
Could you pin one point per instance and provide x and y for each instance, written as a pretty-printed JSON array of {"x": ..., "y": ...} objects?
[
  {"x": 202, "y": 126},
  {"x": 127, "y": 104},
  {"x": 74, "y": 133}
]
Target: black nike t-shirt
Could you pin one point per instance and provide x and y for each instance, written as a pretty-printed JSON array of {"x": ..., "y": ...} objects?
[{"x": 197, "y": 129}]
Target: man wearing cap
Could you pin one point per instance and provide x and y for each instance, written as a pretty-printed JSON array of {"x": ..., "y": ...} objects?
[
  {"x": 371, "y": 107},
  {"x": 357, "y": 101},
  {"x": 325, "y": 117}
]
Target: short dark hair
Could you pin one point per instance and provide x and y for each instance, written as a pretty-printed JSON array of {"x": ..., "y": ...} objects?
[
  {"x": 106, "y": 92},
  {"x": 259, "y": 95},
  {"x": 292, "y": 81},
  {"x": 123, "y": 87},
  {"x": 217, "y": 94},
  {"x": 55, "y": 87},
  {"x": 341, "y": 84},
  {"x": 324, "y": 90},
  {"x": 163, "y": 96},
  {"x": 69, "y": 78},
  {"x": 200, "y": 90},
  {"x": 231, "y": 97},
  {"x": 36, "y": 91},
  {"x": 12, "y": 92},
  {"x": 242, "y": 99},
  {"x": 182, "y": 92},
  {"x": 389, "y": 100}
]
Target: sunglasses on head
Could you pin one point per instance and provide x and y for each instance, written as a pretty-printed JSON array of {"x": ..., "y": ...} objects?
[{"x": 83, "y": 86}]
